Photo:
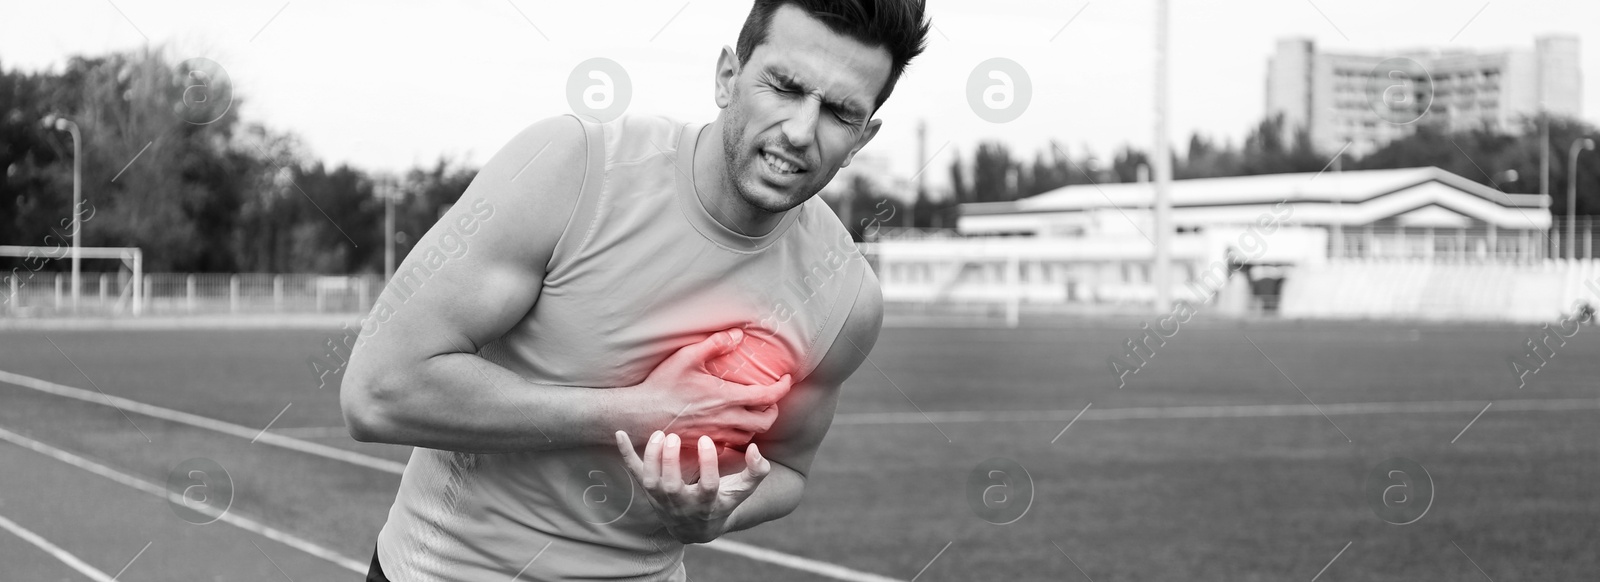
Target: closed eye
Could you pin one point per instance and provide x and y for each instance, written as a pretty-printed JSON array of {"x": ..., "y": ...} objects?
[
  {"x": 787, "y": 86},
  {"x": 783, "y": 85}
]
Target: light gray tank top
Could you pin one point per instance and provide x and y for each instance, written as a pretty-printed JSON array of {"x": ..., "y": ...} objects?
[{"x": 641, "y": 270}]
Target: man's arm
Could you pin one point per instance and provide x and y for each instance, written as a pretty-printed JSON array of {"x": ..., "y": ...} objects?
[
  {"x": 415, "y": 377},
  {"x": 806, "y": 413}
]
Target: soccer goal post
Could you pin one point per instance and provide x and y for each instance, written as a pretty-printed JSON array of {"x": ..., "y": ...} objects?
[{"x": 33, "y": 259}]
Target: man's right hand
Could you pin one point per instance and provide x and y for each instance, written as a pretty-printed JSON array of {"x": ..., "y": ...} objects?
[{"x": 681, "y": 397}]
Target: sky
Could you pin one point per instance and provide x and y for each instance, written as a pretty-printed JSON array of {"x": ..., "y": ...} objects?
[{"x": 386, "y": 85}]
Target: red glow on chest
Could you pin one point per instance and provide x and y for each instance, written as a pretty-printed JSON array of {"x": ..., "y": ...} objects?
[{"x": 759, "y": 360}]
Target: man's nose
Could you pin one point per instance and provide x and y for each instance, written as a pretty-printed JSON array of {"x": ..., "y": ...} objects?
[{"x": 801, "y": 127}]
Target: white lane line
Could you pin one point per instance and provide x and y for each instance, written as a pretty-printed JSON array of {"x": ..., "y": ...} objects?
[
  {"x": 834, "y": 571},
  {"x": 796, "y": 562},
  {"x": 314, "y": 432},
  {"x": 55, "y": 551},
  {"x": 233, "y": 518},
  {"x": 211, "y": 424},
  {"x": 1202, "y": 412}
]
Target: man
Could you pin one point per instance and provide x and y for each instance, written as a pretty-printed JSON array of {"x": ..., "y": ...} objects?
[{"x": 642, "y": 282}]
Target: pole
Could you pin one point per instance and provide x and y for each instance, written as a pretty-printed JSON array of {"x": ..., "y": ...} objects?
[
  {"x": 1544, "y": 157},
  {"x": 1338, "y": 214},
  {"x": 138, "y": 282},
  {"x": 1162, "y": 164},
  {"x": 1588, "y": 238},
  {"x": 1572, "y": 197},
  {"x": 1544, "y": 154},
  {"x": 77, "y": 202},
  {"x": 1572, "y": 200},
  {"x": 922, "y": 157},
  {"x": 388, "y": 232}
]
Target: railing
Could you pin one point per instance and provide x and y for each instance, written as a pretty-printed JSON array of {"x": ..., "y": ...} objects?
[
  {"x": 43, "y": 294},
  {"x": 1452, "y": 245},
  {"x": 887, "y": 233},
  {"x": 1401, "y": 285},
  {"x": 1468, "y": 244}
]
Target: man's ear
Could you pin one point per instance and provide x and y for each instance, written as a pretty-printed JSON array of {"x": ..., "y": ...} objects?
[
  {"x": 727, "y": 75},
  {"x": 861, "y": 142}
]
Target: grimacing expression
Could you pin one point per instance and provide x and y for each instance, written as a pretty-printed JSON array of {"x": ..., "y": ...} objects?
[{"x": 798, "y": 110}]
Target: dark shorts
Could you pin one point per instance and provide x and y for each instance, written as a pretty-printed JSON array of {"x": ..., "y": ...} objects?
[{"x": 375, "y": 573}]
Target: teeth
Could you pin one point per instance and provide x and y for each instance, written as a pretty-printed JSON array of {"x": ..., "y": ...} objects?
[{"x": 779, "y": 163}]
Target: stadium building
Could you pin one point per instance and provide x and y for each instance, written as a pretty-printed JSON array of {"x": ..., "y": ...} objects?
[
  {"x": 1404, "y": 213},
  {"x": 1333, "y": 94},
  {"x": 1086, "y": 245}
]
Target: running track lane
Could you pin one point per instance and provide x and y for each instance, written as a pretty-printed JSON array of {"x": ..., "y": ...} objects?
[
  {"x": 118, "y": 525},
  {"x": 817, "y": 567}
]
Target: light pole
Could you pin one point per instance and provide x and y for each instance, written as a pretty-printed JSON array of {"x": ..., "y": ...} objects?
[
  {"x": 64, "y": 124},
  {"x": 388, "y": 190},
  {"x": 1162, "y": 166},
  {"x": 1572, "y": 193}
]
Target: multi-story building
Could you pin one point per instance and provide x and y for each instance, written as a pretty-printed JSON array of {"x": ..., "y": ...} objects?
[{"x": 1367, "y": 100}]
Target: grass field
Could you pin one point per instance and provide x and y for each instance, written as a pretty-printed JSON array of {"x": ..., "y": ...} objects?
[{"x": 1210, "y": 464}]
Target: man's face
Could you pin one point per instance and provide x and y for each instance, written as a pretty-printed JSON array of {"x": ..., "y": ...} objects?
[{"x": 798, "y": 110}]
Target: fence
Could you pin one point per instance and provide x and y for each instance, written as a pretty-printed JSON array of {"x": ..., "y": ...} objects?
[
  {"x": 1011, "y": 281},
  {"x": 997, "y": 289},
  {"x": 1413, "y": 289},
  {"x": 1481, "y": 243},
  {"x": 41, "y": 294},
  {"x": 1466, "y": 244}
]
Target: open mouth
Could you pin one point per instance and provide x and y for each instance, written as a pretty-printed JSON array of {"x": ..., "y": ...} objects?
[{"x": 780, "y": 166}]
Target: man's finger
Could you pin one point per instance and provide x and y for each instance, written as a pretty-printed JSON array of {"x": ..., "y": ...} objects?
[
  {"x": 716, "y": 344},
  {"x": 629, "y": 457},
  {"x": 651, "y": 477},
  {"x": 671, "y": 475},
  {"x": 756, "y": 469},
  {"x": 709, "y": 476},
  {"x": 757, "y": 465},
  {"x": 764, "y": 396}
]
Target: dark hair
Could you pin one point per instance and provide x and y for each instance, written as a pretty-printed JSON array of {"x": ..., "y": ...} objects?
[{"x": 895, "y": 25}]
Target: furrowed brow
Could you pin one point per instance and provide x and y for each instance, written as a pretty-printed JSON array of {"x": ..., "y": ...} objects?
[{"x": 790, "y": 80}]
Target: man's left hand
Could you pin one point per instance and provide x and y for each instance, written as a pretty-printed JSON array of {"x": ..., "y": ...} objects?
[{"x": 693, "y": 512}]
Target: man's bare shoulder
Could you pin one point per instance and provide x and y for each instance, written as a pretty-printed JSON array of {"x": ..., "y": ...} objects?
[
  {"x": 553, "y": 148},
  {"x": 536, "y": 179}
]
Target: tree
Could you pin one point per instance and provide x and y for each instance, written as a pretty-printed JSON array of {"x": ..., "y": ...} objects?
[
  {"x": 1051, "y": 170},
  {"x": 1484, "y": 155},
  {"x": 992, "y": 173},
  {"x": 1126, "y": 164},
  {"x": 211, "y": 195},
  {"x": 1207, "y": 159},
  {"x": 960, "y": 187},
  {"x": 1266, "y": 151},
  {"x": 36, "y": 186}
]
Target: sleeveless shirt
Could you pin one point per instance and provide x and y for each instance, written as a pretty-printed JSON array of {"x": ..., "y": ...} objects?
[{"x": 641, "y": 269}]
